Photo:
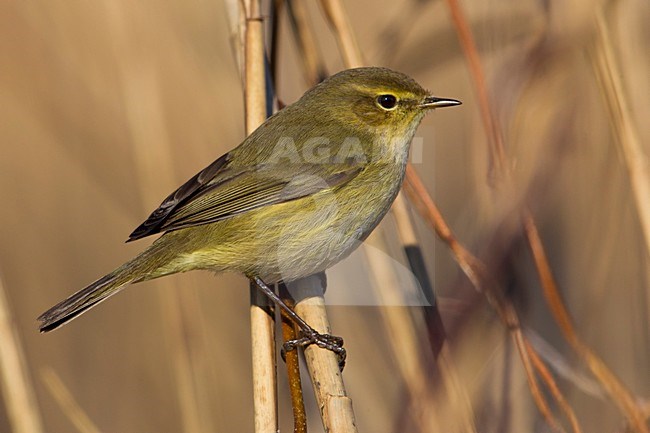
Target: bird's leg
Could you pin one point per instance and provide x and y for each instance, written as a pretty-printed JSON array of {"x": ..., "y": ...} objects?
[{"x": 308, "y": 335}]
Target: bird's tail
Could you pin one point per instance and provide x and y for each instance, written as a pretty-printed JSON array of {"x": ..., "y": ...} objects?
[{"x": 88, "y": 297}]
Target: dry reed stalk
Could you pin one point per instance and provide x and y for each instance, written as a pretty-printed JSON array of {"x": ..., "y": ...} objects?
[
  {"x": 323, "y": 365},
  {"x": 399, "y": 325},
  {"x": 617, "y": 391},
  {"x": 276, "y": 8},
  {"x": 456, "y": 395},
  {"x": 265, "y": 400},
  {"x": 476, "y": 272},
  {"x": 322, "y": 372},
  {"x": 335, "y": 406},
  {"x": 150, "y": 176},
  {"x": 352, "y": 57},
  {"x": 67, "y": 403},
  {"x": 406, "y": 346},
  {"x": 178, "y": 327},
  {"x": 262, "y": 323},
  {"x": 609, "y": 77},
  {"x": 312, "y": 61},
  {"x": 237, "y": 27},
  {"x": 340, "y": 24},
  {"x": 138, "y": 82},
  {"x": 637, "y": 163},
  {"x": 435, "y": 330},
  {"x": 292, "y": 361},
  {"x": 403, "y": 221},
  {"x": 15, "y": 383},
  {"x": 404, "y": 339}
]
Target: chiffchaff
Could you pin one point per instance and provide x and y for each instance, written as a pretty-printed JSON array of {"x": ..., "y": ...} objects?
[{"x": 297, "y": 196}]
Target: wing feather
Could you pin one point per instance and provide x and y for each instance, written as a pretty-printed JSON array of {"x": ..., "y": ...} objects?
[
  {"x": 190, "y": 188},
  {"x": 220, "y": 191}
]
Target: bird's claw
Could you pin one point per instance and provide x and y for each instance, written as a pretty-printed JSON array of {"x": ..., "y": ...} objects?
[{"x": 332, "y": 343}]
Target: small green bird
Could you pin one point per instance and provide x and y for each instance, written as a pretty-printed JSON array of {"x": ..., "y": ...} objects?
[{"x": 297, "y": 196}]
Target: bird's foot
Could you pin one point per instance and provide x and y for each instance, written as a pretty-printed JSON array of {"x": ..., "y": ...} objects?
[{"x": 332, "y": 343}]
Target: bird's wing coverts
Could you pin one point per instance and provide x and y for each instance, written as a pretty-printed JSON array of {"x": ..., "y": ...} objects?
[{"x": 219, "y": 192}]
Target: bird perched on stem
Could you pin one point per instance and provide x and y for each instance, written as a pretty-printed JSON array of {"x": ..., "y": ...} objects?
[{"x": 295, "y": 197}]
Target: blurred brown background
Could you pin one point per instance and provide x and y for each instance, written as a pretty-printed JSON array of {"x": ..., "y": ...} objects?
[{"x": 94, "y": 95}]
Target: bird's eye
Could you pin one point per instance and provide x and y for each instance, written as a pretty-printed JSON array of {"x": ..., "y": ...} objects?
[{"x": 387, "y": 102}]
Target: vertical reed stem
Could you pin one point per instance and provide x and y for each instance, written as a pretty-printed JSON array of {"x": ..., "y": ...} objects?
[{"x": 262, "y": 320}]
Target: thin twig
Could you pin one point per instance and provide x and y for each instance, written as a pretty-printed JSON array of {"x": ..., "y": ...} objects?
[
  {"x": 543, "y": 371},
  {"x": 15, "y": 384},
  {"x": 67, "y": 403},
  {"x": 262, "y": 323},
  {"x": 420, "y": 197},
  {"x": 292, "y": 361},
  {"x": 524, "y": 353}
]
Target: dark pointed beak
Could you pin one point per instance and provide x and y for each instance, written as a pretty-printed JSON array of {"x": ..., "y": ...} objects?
[{"x": 435, "y": 102}]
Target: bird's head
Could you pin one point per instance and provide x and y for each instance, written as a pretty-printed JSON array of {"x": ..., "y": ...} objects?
[{"x": 374, "y": 98}]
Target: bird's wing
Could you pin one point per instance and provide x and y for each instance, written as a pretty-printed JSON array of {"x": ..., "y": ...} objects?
[{"x": 219, "y": 192}]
